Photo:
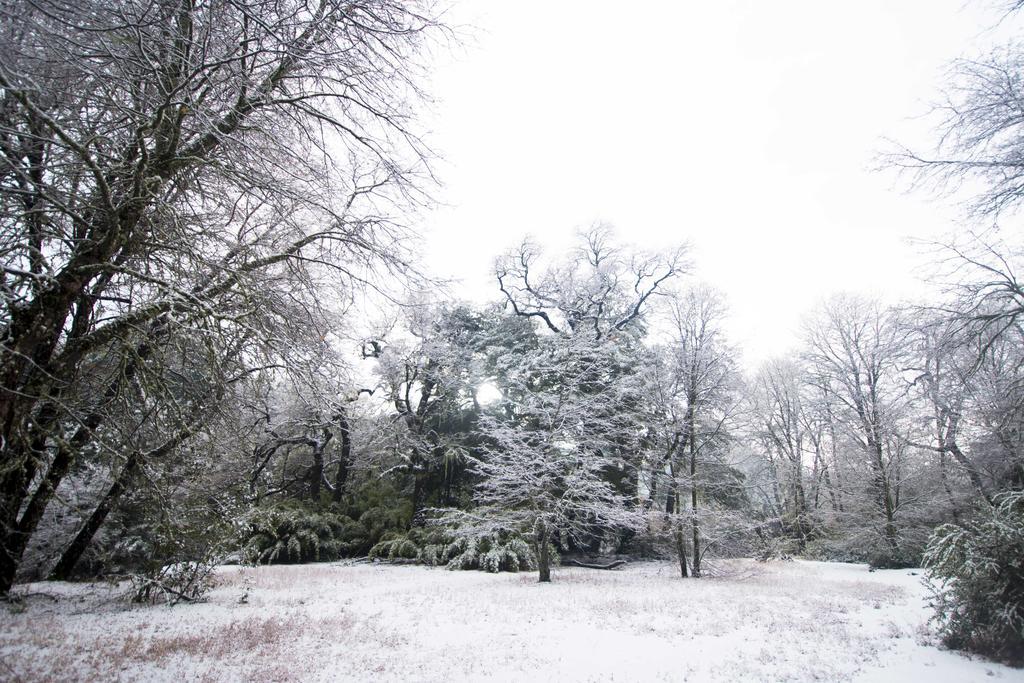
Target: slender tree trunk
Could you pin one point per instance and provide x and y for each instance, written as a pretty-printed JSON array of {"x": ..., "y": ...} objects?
[
  {"x": 417, "y": 498},
  {"x": 543, "y": 553},
  {"x": 670, "y": 499},
  {"x": 346, "y": 454},
  {"x": 73, "y": 553},
  {"x": 972, "y": 471},
  {"x": 800, "y": 500},
  {"x": 943, "y": 474},
  {"x": 885, "y": 493},
  {"x": 673, "y": 508},
  {"x": 681, "y": 552},
  {"x": 680, "y": 547},
  {"x": 81, "y": 541},
  {"x": 693, "y": 508},
  {"x": 834, "y": 448},
  {"x": 826, "y": 477}
]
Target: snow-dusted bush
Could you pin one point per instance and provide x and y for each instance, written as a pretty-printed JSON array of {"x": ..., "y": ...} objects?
[
  {"x": 181, "y": 581},
  {"x": 498, "y": 551},
  {"x": 292, "y": 532},
  {"x": 400, "y": 548},
  {"x": 976, "y": 573},
  {"x": 492, "y": 551}
]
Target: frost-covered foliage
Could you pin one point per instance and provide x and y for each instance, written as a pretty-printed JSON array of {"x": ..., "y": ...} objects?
[
  {"x": 173, "y": 583},
  {"x": 292, "y": 532},
  {"x": 977, "y": 576},
  {"x": 400, "y": 548},
  {"x": 500, "y": 551},
  {"x": 552, "y": 461}
]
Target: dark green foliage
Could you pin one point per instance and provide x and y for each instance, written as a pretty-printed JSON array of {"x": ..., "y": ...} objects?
[
  {"x": 976, "y": 572},
  {"x": 499, "y": 551},
  {"x": 400, "y": 548},
  {"x": 380, "y": 509},
  {"x": 293, "y": 532},
  {"x": 902, "y": 560}
]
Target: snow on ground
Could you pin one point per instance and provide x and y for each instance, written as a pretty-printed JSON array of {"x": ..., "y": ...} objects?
[{"x": 783, "y": 621}]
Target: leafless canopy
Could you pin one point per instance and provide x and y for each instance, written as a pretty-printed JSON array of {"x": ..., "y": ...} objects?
[
  {"x": 981, "y": 133},
  {"x": 182, "y": 167},
  {"x": 601, "y": 289}
]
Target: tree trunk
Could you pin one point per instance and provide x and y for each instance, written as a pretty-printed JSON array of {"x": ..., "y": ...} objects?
[
  {"x": 346, "y": 452},
  {"x": 972, "y": 471},
  {"x": 417, "y": 497},
  {"x": 681, "y": 550},
  {"x": 543, "y": 554},
  {"x": 885, "y": 492},
  {"x": 693, "y": 493},
  {"x": 73, "y": 553},
  {"x": 696, "y": 539},
  {"x": 17, "y": 531},
  {"x": 828, "y": 485},
  {"x": 834, "y": 448},
  {"x": 16, "y": 539},
  {"x": 800, "y": 501}
]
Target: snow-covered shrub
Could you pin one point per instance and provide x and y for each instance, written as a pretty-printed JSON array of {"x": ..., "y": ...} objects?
[
  {"x": 181, "y": 581},
  {"x": 498, "y": 551},
  {"x": 976, "y": 573},
  {"x": 495, "y": 551},
  {"x": 432, "y": 554},
  {"x": 865, "y": 543},
  {"x": 400, "y": 548},
  {"x": 424, "y": 545},
  {"x": 292, "y": 532}
]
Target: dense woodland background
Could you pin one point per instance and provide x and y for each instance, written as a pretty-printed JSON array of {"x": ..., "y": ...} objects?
[{"x": 218, "y": 345}]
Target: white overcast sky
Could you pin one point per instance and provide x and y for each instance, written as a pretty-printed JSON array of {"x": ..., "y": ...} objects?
[{"x": 747, "y": 128}]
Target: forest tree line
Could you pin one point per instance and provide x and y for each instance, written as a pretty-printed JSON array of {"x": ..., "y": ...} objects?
[{"x": 218, "y": 343}]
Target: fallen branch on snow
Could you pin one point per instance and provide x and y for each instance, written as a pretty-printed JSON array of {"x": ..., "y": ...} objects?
[{"x": 576, "y": 563}]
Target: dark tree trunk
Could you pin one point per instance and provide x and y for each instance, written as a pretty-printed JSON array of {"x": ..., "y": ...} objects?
[
  {"x": 886, "y": 500},
  {"x": 316, "y": 474},
  {"x": 417, "y": 497},
  {"x": 800, "y": 502},
  {"x": 543, "y": 554},
  {"x": 73, "y": 553},
  {"x": 691, "y": 418},
  {"x": 16, "y": 532},
  {"x": 681, "y": 551},
  {"x": 346, "y": 453}
]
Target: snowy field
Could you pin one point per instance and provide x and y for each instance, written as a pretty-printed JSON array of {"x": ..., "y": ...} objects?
[{"x": 784, "y": 621}]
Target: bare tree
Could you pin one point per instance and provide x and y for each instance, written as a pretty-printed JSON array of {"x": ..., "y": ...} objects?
[
  {"x": 854, "y": 350},
  {"x": 161, "y": 163},
  {"x": 981, "y": 133},
  {"x": 787, "y": 435},
  {"x": 697, "y": 388},
  {"x": 601, "y": 289}
]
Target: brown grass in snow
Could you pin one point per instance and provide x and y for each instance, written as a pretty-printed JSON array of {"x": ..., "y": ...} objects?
[{"x": 777, "y": 621}]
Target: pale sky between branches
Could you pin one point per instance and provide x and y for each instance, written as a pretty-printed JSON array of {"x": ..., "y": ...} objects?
[{"x": 750, "y": 129}]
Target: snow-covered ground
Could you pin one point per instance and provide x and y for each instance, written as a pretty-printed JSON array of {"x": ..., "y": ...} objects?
[{"x": 783, "y": 621}]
